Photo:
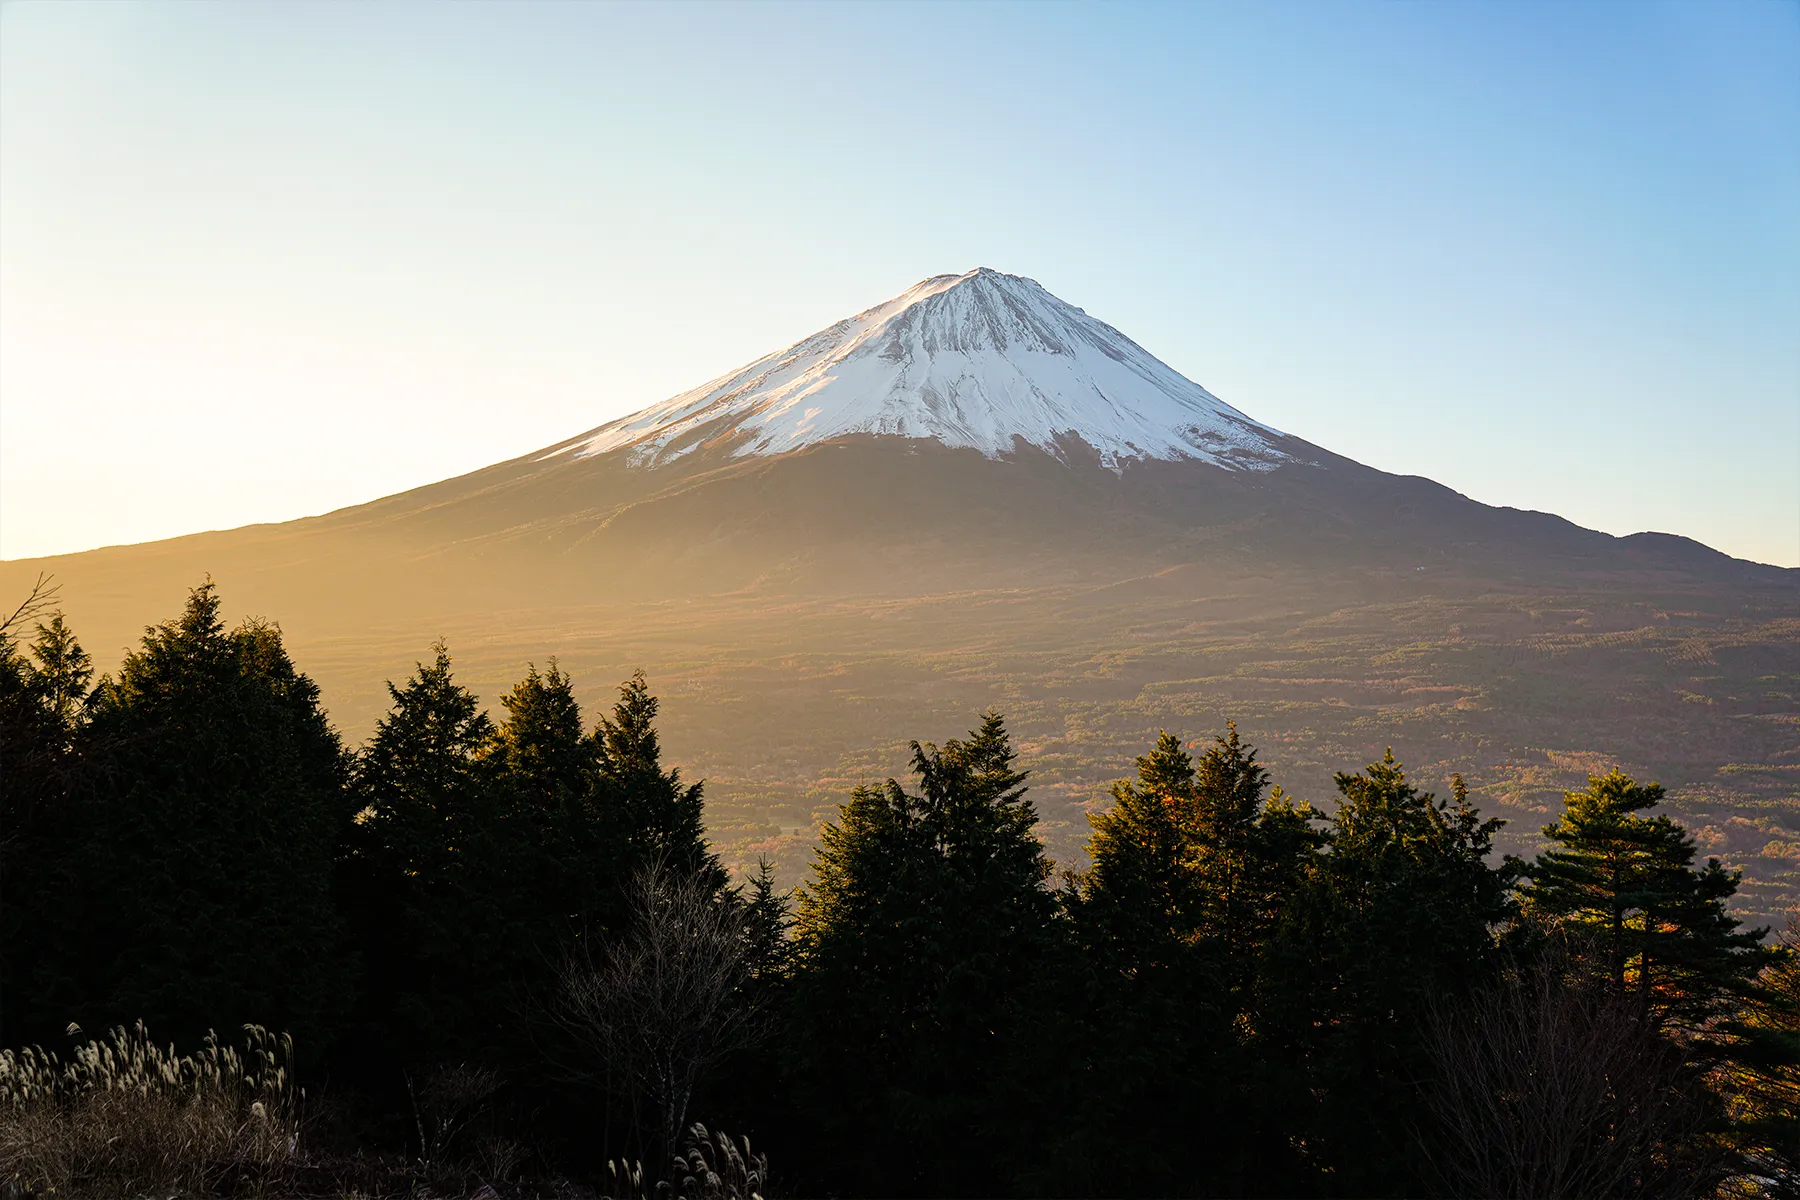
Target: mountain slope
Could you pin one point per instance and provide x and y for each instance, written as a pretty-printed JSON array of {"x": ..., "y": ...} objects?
[
  {"x": 975, "y": 493},
  {"x": 973, "y": 430}
]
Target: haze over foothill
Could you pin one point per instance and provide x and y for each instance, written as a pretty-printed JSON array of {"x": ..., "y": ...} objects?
[{"x": 262, "y": 262}]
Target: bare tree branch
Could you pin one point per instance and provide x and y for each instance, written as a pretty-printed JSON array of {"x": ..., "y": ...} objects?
[
  {"x": 42, "y": 597},
  {"x": 669, "y": 999},
  {"x": 1548, "y": 1085}
]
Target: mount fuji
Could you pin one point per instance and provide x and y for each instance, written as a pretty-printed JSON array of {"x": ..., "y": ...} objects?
[
  {"x": 977, "y": 493},
  {"x": 971, "y": 428},
  {"x": 974, "y": 430}
]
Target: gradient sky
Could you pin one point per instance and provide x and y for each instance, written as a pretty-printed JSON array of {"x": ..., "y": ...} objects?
[{"x": 259, "y": 261}]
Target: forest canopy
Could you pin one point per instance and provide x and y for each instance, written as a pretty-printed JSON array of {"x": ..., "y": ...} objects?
[{"x": 505, "y": 951}]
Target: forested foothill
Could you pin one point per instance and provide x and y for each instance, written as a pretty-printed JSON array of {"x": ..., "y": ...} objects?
[{"x": 492, "y": 953}]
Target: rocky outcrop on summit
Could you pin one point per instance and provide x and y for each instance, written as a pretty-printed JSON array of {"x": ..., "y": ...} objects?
[{"x": 983, "y": 360}]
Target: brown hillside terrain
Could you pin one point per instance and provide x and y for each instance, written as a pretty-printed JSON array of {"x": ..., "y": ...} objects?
[{"x": 803, "y": 615}]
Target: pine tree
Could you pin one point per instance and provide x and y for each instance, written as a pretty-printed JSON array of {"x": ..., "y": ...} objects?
[
  {"x": 540, "y": 744},
  {"x": 560, "y": 871},
  {"x": 430, "y": 869},
  {"x": 1627, "y": 882},
  {"x": 645, "y": 813},
  {"x": 766, "y": 922},
  {"x": 1401, "y": 912},
  {"x": 217, "y": 805},
  {"x": 918, "y": 941},
  {"x": 42, "y": 713},
  {"x": 1190, "y": 869}
]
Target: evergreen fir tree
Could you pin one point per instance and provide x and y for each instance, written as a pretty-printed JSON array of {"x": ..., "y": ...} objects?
[
  {"x": 1401, "y": 912},
  {"x": 1415, "y": 900},
  {"x": 1198, "y": 852},
  {"x": 43, "y": 698},
  {"x": 540, "y": 744},
  {"x": 60, "y": 675},
  {"x": 1140, "y": 889},
  {"x": 1762, "y": 1082},
  {"x": 919, "y": 941},
  {"x": 430, "y": 868},
  {"x": 644, "y": 812},
  {"x": 560, "y": 873},
  {"x": 217, "y": 805},
  {"x": 1252, "y": 849},
  {"x": 1190, "y": 868},
  {"x": 766, "y": 922}
]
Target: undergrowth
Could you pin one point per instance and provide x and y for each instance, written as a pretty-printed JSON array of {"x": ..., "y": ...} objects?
[{"x": 123, "y": 1116}]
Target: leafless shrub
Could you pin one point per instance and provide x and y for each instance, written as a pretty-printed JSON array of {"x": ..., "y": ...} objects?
[
  {"x": 497, "y": 1157},
  {"x": 125, "y": 1117},
  {"x": 453, "y": 1096},
  {"x": 1549, "y": 1085},
  {"x": 668, "y": 1000}
]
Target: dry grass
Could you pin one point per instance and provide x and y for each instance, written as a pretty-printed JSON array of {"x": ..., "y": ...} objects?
[
  {"x": 711, "y": 1167},
  {"x": 715, "y": 1168},
  {"x": 124, "y": 1116}
]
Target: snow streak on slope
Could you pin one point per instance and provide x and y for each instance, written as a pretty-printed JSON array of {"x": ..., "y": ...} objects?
[{"x": 970, "y": 360}]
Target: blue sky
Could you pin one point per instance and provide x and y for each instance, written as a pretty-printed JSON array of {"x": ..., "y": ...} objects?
[{"x": 263, "y": 260}]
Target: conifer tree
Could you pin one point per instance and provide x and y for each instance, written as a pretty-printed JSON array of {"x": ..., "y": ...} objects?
[
  {"x": 1141, "y": 888},
  {"x": 430, "y": 869},
  {"x": 540, "y": 744},
  {"x": 218, "y": 803},
  {"x": 560, "y": 871},
  {"x": 43, "y": 708},
  {"x": 645, "y": 813},
  {"x": 766, "y": 924},
  {"x": 1253, "y": 847},
  {"x": 919, "y": 940},
  {"x": 60, "y": 675},
  {"x": 1190, "y": 869},
  {"x": 1197, "y": 852},
  {"x": 1627, "y": 882},
  {"x": 1415, "y": 903},
  {"x": 43, "y": 698},
  {"x": 1763, "y": 1082},
  {"x": 1401, "y": 911}
]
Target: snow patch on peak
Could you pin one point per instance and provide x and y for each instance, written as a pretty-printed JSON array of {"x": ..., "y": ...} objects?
[{"x": 979, "y": 360}]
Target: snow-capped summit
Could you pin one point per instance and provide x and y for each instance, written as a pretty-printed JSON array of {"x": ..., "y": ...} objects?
[{"x": 980, "y": 360}]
